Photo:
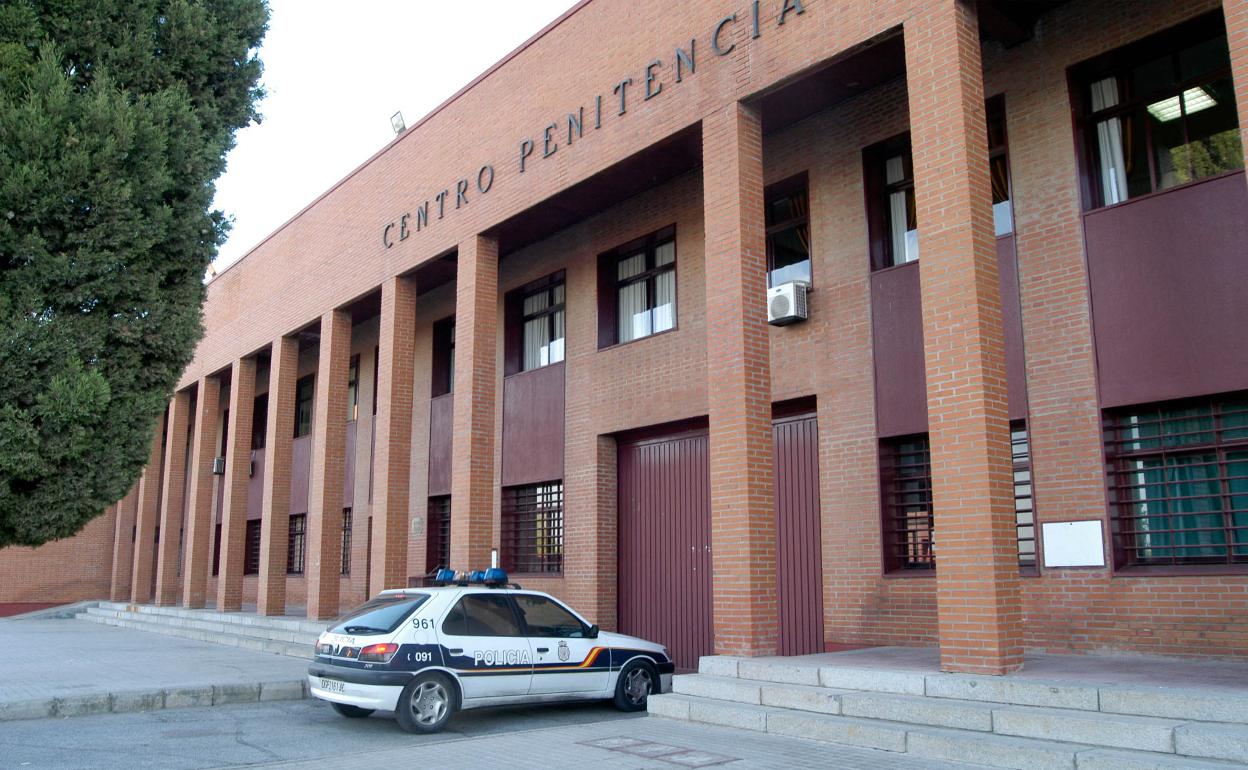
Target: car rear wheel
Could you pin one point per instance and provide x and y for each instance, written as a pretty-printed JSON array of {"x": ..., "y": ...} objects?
[
  {"x": 351, "y": 712},
  {"x": 633, "y": 688},
  {"x": 426, "y": 703}
]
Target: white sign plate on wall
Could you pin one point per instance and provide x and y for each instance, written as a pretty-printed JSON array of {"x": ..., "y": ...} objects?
[{"x": 1073, "y": 544}]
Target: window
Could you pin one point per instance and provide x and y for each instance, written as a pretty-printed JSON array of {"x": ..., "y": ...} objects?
[
  {"x": 999, "y": 168},
  {"x": 438, "y": 537},
  {"x": 532, "y": 528},
  {"x": 305, "y": 390},
  {"x": 380, "y": 615},
  {"x": 296, "y": 543},
  {"x": 251, "y": 548},
  {"x": 443, "y": 357},
  {"x": 216, "y": 551},
  {"x": 906, "y": 498},
  {"x": 1158, "y": 113},
  {"x": 482, "y": 615},
  {"x": 353, "y": 389},
  {"x": 260, "y": 421},
  {"x": 346, "y": 541},
  {"x": 546, "y": 617},
  {"x": 787, "y": 214},
  {"x": 1024, "y": 511},
  {"x": 1178, "y": 482},
  {"x": 543, "y": 328},
  {"x": 376, "y": 374},
  {"x": 637, "y": 289},
  {"x": 892, "y": 219}
]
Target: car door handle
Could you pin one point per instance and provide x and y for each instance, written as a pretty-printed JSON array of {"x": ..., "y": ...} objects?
[
  {"x": 543, "y": 649},
  {"x": 456, "y": 651}
]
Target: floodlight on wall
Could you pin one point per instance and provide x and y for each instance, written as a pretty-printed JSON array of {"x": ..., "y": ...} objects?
[{"x": 396, "y": 122}]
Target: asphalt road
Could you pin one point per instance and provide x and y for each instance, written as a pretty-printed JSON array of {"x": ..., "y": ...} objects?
[{"x": 253, "y": 733}]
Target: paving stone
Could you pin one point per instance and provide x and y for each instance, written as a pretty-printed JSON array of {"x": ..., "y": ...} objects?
[
  {"x": 1177, "y": 704},
  {"x": 832, "y": 729},
  {"x": 872, "y": 680},
  {"x": 938, "y": 712},
  {"x": 1022, "y": 692},
  {"x": 820, "y": 700},
  {"x": 1216, "y": 741},
  {"x": 992, "y": 750},
  {"x": 717, "y": 687},
  {"x": 1111, "y": 730}
]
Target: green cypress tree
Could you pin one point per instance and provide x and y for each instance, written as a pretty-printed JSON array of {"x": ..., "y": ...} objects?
[{"x": 115, "y": 118}]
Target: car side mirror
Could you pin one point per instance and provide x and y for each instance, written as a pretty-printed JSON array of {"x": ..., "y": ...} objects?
[{"x": 593, "y": 632}]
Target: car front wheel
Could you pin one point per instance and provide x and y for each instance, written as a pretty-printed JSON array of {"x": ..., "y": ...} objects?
[
  {"x": 633, "y": 688},
  {"x": 426, "y": 704}
]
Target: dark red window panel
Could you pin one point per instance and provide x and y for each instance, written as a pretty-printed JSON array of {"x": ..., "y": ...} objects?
[
  {"x": 251, "y": 550},
  {"x": 533, "y": 528},
  {"x": 438, "y": 537},
  {"x": 1178, "y": 482},
  {"x": 906, "y": 498}
]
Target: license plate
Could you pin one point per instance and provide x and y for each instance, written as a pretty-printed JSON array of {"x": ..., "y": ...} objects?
[{"x": 333, "y": 685}]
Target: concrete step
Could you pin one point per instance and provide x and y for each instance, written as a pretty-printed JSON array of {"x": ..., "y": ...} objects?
[
  {"x": 220, "y": 626},
  {"x": 295, "y": 624},
  {"x": 1181, "y": 703},
  {"x": 259, "y": 644},
  {"x": 916, "y": 740}
]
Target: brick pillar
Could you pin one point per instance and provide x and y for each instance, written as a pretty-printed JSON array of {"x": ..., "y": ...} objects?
[
  {"x": 200, "y": 525},
  {"x": 275, "y": 496},
  {"x": 1236, "y": 14},
  {"x": 392, "y": 459},
  {"x": 980, "y": 615},
  {"x": 323, "y": 561},
  {"x": 123, "y": 546},
  {"x": 172, "y": 496},
  {"x": 237, "y": 481},
  {"x": 472, "y": 452},
  {"x": 739, "y": 379},
  {"x": 146, "y": 518}
]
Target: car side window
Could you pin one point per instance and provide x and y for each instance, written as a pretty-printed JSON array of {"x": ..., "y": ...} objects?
[
  {"x": 548, "y": 618},
  {"x": 482, "y": 615}
]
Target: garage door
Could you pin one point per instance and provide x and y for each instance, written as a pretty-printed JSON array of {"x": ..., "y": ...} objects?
[
  {"x": 798, "y": 548},
  {"x": 665, "y": 544}
]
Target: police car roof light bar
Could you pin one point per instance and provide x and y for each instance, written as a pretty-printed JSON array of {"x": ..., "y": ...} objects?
[{"x": 494, "y": 577}]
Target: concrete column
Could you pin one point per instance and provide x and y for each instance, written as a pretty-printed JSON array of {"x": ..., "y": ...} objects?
[
  {"x": 200, "y": 526},
  {"x": 275, "y": 501},
  {"x": 739, "y": 378},
  {"x": 323, "y": 562},
  {"x": 173, "y": 497},
  {"x": 146, "y": 519},
  {"x": 392, "y": 461},
  {"x": 476, "y": 374},
  {"x": 980, "y": 615},
  {"x": 237, "y": 481},
  {"x": 123, "y": 546},
  {"x": 1236, "y": 15}
]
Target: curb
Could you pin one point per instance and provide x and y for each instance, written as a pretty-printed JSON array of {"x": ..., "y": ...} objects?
[
  {"x": 60, "y": 612},
  {"x": 134, "y": 701}
]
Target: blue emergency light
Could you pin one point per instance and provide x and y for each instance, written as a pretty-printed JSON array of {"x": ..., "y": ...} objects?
[{"x": 494, "y": 577}]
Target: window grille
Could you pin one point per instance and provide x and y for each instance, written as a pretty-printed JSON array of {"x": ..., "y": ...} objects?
[
  {"x": 906, "y": 498},
  {"x": 533, "y": 528}
]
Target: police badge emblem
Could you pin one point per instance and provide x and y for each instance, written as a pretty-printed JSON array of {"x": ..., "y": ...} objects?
[{"x": 564, "y": 652}]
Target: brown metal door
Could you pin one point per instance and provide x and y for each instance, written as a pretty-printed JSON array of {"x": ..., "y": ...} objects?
[
  {"x": 799, "y": 572},
  {"x": 665, "y": 544}
]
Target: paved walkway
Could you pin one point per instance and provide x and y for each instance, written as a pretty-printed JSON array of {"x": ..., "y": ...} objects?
[{"x": 71, "y": 667}]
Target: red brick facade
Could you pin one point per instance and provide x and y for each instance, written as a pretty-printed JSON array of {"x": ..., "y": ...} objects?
[{"x": 446, "y": 221}]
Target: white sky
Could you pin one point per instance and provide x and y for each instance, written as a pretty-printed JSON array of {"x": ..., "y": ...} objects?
[{"x": 335, "y": 72}]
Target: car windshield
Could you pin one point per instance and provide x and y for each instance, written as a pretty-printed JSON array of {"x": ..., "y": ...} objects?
[{"x": 379, "y": 616}]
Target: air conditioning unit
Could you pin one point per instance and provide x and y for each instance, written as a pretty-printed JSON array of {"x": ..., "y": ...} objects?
[
  {"x": 786, "y": 303},
  {"x": 218, "y": 466}
]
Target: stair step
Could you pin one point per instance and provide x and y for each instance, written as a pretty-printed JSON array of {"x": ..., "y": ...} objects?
[
  {"x": 298, "y": 625},
  {"x": 1214, "y": 741},
  {"x": 1116, "y": 759},
  {"x": 913, "y": 709},
  {"x": 213, "y": 625},
  {"x": 1093, "y": 728},
  {"x": 234, "y": 640}
]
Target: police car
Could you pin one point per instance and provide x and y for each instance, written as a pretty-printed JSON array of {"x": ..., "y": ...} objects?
[{"x": 475, "y": 640}]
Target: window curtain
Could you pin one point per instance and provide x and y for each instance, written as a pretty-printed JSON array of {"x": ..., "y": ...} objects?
[
  {"x": 535, "y": 352},
  {"x": 634, "y": 316},
  {"x": 664, "y": 301},
  {"x": 904, "y": 238},
  {"x": 1109, "y": 143}
]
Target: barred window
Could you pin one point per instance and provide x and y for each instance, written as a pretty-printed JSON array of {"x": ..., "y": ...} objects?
[
  {"x": 251, "y": 551},
  {"x": 1024, "y": 511},
  {"x": 438, "y": 537},
  {"x": 296, "y": 544},
  {"x": 346, "y": 541},
  {"x": 1178, "y": 482},
  {"x": 533, "y": 528},
  {"x": 906, "y": 497}
]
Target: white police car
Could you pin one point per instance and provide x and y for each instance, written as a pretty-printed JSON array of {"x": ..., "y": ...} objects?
[{"x": 476, "y": 640}]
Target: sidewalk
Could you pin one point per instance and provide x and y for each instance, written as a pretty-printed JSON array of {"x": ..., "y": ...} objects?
[
  {"x": 650, "y": 742},
  {"x": 59, "y": 668}
]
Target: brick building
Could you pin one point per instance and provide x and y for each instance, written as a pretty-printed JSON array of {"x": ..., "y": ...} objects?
[{"x": 537, "y": 322}]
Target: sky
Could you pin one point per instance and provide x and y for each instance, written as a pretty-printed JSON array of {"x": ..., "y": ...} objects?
[{"x": 334, "y": 73}]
